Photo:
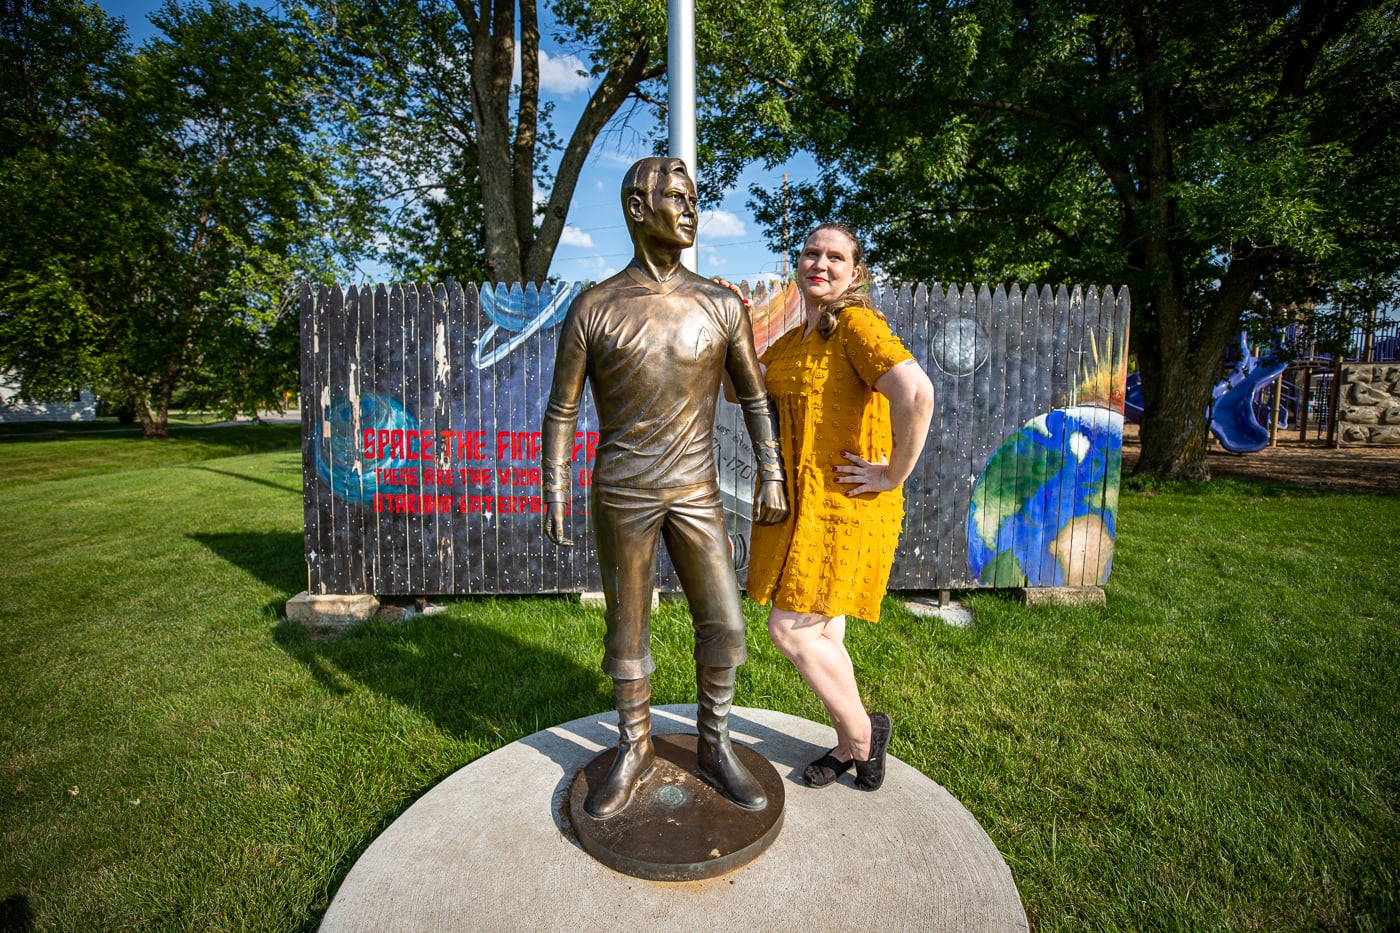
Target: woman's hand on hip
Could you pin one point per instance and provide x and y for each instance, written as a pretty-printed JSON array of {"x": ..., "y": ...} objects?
[{"x": 864, "y": 475}]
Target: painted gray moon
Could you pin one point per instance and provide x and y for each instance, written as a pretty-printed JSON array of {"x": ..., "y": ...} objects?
[{"x": 960, "y": 346}]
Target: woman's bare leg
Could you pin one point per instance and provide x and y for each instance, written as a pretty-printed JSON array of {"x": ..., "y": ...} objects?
[{"x": 816, "y": 645}]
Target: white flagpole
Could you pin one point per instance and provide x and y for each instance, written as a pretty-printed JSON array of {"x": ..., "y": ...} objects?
[{"x": 680, "y": 18}]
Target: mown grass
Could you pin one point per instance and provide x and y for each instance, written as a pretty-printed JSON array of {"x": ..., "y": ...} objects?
[
  {"x": 1215, "y": 750},
  {"x": 34, "y": 451}
]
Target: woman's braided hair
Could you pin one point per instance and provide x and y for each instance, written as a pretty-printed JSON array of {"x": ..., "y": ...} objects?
[{"x": 856, "y": 294}]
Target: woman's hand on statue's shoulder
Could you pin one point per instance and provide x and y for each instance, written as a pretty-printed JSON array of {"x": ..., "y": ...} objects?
[{"x": 732, "y": 287}]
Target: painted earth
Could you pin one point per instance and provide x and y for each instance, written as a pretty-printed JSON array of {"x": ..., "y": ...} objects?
[{"x": 1044, "y": 510}]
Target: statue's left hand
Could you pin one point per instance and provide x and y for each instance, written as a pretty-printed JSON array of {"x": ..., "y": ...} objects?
[
  {"x": 556, "y": 525},
  {"x": 770, "y": 506}
]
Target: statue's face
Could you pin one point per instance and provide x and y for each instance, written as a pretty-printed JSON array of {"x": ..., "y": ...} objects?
[
  {"x": 669, "y": 214},
  {"x": 827, "y": 266}
]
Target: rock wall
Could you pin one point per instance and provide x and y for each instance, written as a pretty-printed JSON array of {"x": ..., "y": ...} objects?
[{"x": 1369, "y": 410}]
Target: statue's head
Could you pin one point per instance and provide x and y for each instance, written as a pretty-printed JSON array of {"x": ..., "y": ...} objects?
[{"x": 658, "y": 200}]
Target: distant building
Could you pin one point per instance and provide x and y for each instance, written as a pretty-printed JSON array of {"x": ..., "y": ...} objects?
[{"x": 81, "y": 407}]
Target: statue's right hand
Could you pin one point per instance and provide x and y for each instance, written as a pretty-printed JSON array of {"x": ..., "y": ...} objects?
[
  {"x": 770, "y": 505},
  {"x": 556, "y": 525}
]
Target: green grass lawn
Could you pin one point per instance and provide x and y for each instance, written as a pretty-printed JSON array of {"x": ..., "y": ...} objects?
[
  {"x": 34, "y": 451},
  {"x": 1218, "y": 749}
]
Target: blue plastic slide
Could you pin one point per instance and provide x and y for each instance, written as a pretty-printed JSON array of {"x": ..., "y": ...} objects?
[
  {"x": 1232, "y": 419},
  {"x": 1132, "y": 402}
]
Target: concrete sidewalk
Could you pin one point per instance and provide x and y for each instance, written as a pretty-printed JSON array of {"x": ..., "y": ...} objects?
[{"x": 490, "y": 848}]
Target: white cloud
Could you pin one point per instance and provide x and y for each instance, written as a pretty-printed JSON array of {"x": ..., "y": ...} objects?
[
  {"x": 564, "y": 75},
  {"x": 710, "y": 255},
  {"x": 560, "y": 76},
  {"x": 617, "y": 156},
  {"x": 721, "y": 224},
  {"x": 573, "y": 236}
]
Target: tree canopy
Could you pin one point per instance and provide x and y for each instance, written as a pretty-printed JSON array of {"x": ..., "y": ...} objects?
[
  {"x": 1218, "y": 158},
  {"x": 170, "y": 199},
  {"x": 1194, "y": 151},
  {"x": 453, "y": 140},
  {"x": 443, "y": 98}
]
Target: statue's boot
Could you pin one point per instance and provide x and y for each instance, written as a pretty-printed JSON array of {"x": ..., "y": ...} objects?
[
  {"x": 635, "y": 760},
  {"x": 718, "y": 764}
]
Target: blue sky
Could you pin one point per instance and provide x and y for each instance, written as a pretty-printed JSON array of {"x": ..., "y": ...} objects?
[{"x": 595, "y": 244}]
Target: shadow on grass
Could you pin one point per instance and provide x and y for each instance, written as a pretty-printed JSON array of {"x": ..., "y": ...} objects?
[
  {"x": 16, "y": 916},
  {"x": 297, "y": 490},
  {"x": 275, "y": 558},
  {"x": 461, "y": 669},
  {"x": 1224, "y": 485}
]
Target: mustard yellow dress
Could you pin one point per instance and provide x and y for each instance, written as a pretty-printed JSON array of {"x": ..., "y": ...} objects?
[{"x": 834, "y": 553}]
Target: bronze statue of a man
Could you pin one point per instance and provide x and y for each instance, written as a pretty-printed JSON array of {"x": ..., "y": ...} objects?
[{"x": 654, "y": 341}]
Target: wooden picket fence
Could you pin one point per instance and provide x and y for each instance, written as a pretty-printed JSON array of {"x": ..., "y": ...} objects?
[{"x": 422, "y": 408}]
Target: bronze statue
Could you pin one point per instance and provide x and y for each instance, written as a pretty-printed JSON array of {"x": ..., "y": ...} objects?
[{"x": 655, "y": 340}]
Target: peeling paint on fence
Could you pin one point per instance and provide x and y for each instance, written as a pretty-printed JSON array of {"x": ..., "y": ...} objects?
[{"x": 422, "y": 408}]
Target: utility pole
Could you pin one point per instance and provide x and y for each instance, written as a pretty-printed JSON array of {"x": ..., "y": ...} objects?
[{"x": 785, "y": 228}]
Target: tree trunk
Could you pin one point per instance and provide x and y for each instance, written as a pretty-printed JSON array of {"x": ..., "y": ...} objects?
[
  {"x": 1176, "y": 384},
  {"x": 515, "y": 250},
  {"x": 493, "y": 59},
  {"x": 522, "y": 158},
  {"x": 1174, "y": 421},
  {"x": 1180, "y": 344},
  {"x": 1179, "y": 355},
  {"x": 155, "y": 419},
  {"x": 625, "y": 72}
]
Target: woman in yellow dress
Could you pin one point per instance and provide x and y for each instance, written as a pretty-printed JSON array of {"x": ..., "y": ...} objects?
[{"x": 854, "y": 409}]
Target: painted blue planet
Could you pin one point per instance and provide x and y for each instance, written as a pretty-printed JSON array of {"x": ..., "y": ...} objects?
[
  {"x": 1044, "y": 511},
  {"x": 338, "y": 453}
]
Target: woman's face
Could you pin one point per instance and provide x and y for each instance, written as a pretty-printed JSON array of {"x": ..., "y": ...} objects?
[{"x": 827, "y": 266}]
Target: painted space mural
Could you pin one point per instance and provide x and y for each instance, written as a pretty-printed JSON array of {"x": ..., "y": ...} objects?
[
  {"x": 422, "y": 409},
  {"x": 1044, "y": 509}
]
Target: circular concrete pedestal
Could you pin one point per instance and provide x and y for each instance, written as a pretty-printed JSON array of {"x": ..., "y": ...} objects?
[
  {"x": 492, "y": 848},
  {"x": 677, "y": 827}
]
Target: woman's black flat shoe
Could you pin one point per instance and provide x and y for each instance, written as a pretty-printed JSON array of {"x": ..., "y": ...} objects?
[
  {"x": 870, "y": 774},
  {"x": 825, "y": 770}
]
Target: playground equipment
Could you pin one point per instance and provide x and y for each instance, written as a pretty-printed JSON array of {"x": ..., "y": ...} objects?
[
  {"x": 1232, "y": 412},
  {"x": 1306, "y": 394},
  {"x": 1232, "y": 417}
]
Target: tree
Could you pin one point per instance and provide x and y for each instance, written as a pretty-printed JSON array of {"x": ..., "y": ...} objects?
[
  {"x": 59, "y": 66},
  {"x": 395, "y": 93},
  {"x": 1190, "y": 150},
  {"x": 426, "y": 90},
  {"x": 177, "y": 201},
  {"x": 240, "y": 191}
]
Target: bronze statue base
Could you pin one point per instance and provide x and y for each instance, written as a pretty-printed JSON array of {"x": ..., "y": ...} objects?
[{"x": 677, "y": 827}]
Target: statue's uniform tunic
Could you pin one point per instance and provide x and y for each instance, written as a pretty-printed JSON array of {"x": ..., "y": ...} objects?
[
  {"x": 653, "y": 353},
  {"x": 834, "y": 553}
]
